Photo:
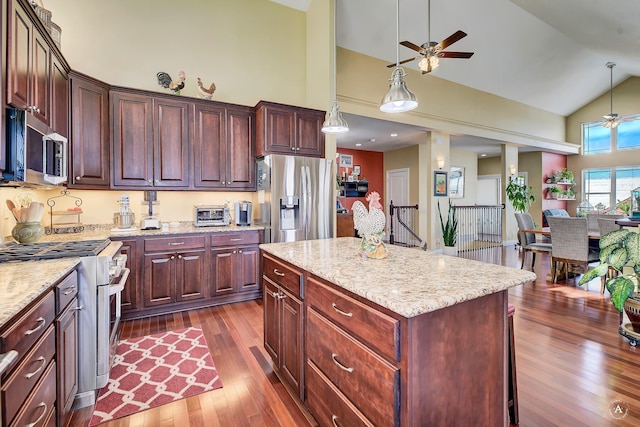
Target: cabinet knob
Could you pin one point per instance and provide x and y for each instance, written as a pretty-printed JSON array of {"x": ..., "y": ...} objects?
[
  {"x": 234, "y": 252},
  {"x": 150, "y": 181},
  {"x": 179, "y": 256},
  {"x": 157, "y": 181},
  {"x": 239, "y": 252},
  {"x": 173, "y": 257},
  {"x": 297, "y": 148},
  {"x": 224, "y": 183},
  {"x": 77, "y": 178},
  {"x": 293, "y": 148}
]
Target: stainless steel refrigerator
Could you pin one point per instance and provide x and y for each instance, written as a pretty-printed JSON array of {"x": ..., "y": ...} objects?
[{"x": 295, "y": 198}]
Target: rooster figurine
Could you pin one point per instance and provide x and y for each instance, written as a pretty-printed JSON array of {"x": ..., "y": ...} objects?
[
  {"x": 205, "y": 93},
  {"x": 167, "y": 82},
  {"x": 370, "y": 225}
]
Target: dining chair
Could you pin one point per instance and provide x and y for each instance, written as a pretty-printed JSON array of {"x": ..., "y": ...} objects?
[
  {"x": 528, "y": 241},
  {"x": 570, "y": 238},
  {"x": 592, "y": 220}
]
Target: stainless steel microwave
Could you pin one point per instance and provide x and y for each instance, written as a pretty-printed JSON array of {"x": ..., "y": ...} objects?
[{"x": 36, "y": 155}]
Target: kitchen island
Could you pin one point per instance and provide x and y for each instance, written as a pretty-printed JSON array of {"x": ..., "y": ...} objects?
[{"x": 415, "y": 339}]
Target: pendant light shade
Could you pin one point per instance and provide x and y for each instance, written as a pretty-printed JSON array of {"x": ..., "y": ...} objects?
[
  {"x": 334, "y": 122},
  {"x": 398, "y": 99}
]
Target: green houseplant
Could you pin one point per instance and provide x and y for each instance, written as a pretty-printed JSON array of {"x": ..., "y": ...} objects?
[
  {"x": 520, "y": 194},
  {"x": 619, "y": 250},
  {"x": 450, "y": 228}
]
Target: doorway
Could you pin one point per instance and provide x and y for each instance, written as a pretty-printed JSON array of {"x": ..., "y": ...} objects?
[{"x": 396, "y": 191}]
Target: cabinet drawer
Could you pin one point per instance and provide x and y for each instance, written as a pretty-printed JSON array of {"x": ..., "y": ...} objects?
[
  {"x": 284, "y": 274},
  {"x": 31, "y": 326},
  {"x": 26, "y": 376},
  {"x": 329, "y": 407},
  {"x": 375, "y": 328},
  {"x": 235, "y": 239},
  {"x": 167, "y": 244},
  {"x": 369, "y": 381},
  {"x": 66, "y": 291},
  {"x": 41, "y": 402}
]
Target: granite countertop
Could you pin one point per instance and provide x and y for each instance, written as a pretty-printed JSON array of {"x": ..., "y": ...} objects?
[
  {"x": 23, "y": 281},
  {"x": 408, "y": 282}
]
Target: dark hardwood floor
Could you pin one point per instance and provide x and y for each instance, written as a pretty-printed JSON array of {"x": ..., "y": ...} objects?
[{"x": 573, "y": 367}]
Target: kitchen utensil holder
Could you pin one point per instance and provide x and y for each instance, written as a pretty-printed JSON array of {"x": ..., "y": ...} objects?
[{"x": 64, "y": 228}]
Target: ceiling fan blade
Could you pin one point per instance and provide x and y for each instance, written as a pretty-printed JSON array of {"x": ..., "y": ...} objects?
[
  {"x": 452, "y": 39},
  {"x": 411, "y": 45},
  {"x": 402, "y": 62},
  {"x": 463, "y": 55}
]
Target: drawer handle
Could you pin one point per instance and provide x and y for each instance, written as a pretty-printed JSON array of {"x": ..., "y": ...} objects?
[
  {"x": 335, "y": 307},
  {"x": 236, "y": 240},
  {"x": 340, "y": 365},
  {"x": 69, "y": 290},
  {"x": 277, "y": 273},
  {"x": 175, "y": 243},
  {"x": 42, "y": 361},
  {"x": 44, "y": 412},
  {"x": 37, "y": 328},
  {"x": 334, "y": 418}
]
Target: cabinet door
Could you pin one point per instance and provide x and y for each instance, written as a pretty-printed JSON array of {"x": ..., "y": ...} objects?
[
  {"x": 41, "y": 78},
  {"x": 172, "y": 133},
  {"x": 159, "y": 279},
  {"x": 59, "y": 90},
  {"x": 223, "y": 271},
  {"x": 240, "y": 150},
  {"x": 271, "y": 312},
  {"x": 89, "y": 142},
  {"x": 19, "y": 52},
  {"x": 190, "y": 275},
  {"x": 67, "y": 360},
  {"x": 132, "y": 121},
  {"x": 291, "y": 338},
  {"x": 129, "y": 295},
  {"x": 247, "y": 268},
  {"x": 209, "y": 147},
  {"x": 309, "y": 136},
  {"x": 279, "y": 131}
]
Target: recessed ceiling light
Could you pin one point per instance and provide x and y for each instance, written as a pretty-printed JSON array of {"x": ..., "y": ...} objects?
[
  {"x": 394, "y": 134},
  {"x": 358, "y": 145},
  {"x": 483, "y": 155},
  {"x": 372, "y": 140}
]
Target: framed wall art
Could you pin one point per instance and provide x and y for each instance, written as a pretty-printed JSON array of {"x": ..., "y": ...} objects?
[
  {"x": 346, "y": 160},
  {"x": 440, "y": 183},
  {"x": 456, "y": 182}
]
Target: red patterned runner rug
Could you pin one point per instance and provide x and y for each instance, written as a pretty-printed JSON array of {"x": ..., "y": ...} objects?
[{"x": 156, "y": 369}]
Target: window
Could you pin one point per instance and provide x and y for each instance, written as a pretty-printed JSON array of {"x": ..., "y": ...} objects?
[
  {"x": 597, "y": 139},
  {"x": 604, "y": 188}
]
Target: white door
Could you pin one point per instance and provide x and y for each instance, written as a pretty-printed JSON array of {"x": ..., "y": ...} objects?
[
  {"x": 489, "y": 194},
  {"x": 396, "y": 191}
]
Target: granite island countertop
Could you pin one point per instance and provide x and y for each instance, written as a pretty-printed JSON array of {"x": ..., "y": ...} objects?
[
  {"x": 408, "y": 282},
  {"x": 21, "y": 282}
]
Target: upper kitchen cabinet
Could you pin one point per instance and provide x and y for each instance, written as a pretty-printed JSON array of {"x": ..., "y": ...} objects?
[
  {"x": 150, "y": 138},
  {"x": 89, "y": 142},
  {"x": 284, "y": 129},
  {"x": 36, "y": 72},
  {"x": 223, "y": 147}
]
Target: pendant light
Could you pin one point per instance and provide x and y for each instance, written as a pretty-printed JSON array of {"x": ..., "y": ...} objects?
[
  {"x": 335, "y": 123},
  {"x": 611, "y": 119},
  {"x": 399, "y": 99}
]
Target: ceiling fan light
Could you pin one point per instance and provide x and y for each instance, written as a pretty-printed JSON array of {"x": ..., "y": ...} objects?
[
  {"x": 423, "y": 65},
  {"x": 335, "y": 123},
  {"x": 434, "y": 61},
  {"x": 398, "y": 99}
]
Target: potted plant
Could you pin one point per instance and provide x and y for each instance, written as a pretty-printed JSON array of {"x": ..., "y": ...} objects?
[
  {"x": 620, "y": 251},
  {"x": 565, "y": 176},
  {"x": 554, "y": 191},
  {"x": 625, "y": 206},
  {"x": 449, "y": 229},
  {"x": 520, "y": 194}
]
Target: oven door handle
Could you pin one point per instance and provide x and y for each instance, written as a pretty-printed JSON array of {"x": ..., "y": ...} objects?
[{"x": 119, "y": 287}]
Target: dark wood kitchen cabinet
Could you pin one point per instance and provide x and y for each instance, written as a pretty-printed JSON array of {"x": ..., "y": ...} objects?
[
  {"x": 150, "y": 137},
  {"x": 174, "y": 270},
  {"x": 89, "y": 143},
  {"x": 284, "y": 320},
  {"x": 66, "y": 324},
  {"x": 129, "y": 296},
  {"x": 59, "y": 96},
  {"x": 285, "y": 129},
  {"x": 223, "y": 147},
  {"x": 234, "y": 264}
]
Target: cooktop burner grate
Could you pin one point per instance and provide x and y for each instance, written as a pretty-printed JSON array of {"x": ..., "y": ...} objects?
[{"x": 51, "y": 250}]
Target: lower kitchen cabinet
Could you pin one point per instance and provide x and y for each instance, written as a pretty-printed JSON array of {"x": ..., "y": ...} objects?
[
  {"x": 129, "y": 297},
  {"x": 67, "y": 355},
  {"x": 234, "y": 264},
  {"x": 284, "y": 321}
]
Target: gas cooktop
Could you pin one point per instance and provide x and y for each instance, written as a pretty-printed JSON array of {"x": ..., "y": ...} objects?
[{"x": 51, "y": 250}]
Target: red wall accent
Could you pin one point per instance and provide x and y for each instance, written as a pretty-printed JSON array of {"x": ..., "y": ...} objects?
[
  {"x": 371, "y": 167},
  {"x": 552, "y": 163}
]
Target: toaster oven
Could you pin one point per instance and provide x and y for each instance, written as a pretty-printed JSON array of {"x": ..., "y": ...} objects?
[{"x": 207, "y": 216}]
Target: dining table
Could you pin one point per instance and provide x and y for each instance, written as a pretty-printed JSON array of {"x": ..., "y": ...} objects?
[{"x": 546, "y": 231}]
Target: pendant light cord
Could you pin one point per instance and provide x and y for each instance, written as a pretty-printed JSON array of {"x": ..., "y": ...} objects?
[
  {"x": 335, "y": 54},
  {"x": 397, "y": 33},
  {"x": 611, "y": 88},
  {"x": 428, "y": 21}
]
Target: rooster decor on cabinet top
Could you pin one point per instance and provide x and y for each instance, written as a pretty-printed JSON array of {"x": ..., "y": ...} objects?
[
  {"x": 167, "y": 82},
  {"x": 205, "y": 93}
]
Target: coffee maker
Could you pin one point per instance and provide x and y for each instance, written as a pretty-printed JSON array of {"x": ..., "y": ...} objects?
[{"x": 243, "y": 213}]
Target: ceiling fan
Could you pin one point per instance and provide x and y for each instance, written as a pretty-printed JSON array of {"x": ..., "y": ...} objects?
[
  {"x": 431, "y": 51},
  {"x": 612, "y": 120}
]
